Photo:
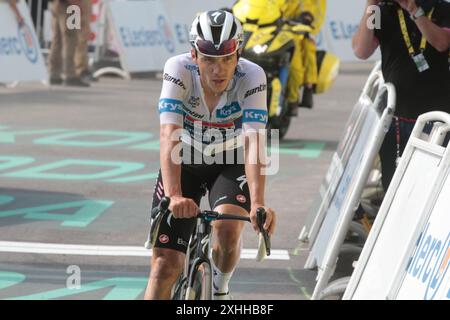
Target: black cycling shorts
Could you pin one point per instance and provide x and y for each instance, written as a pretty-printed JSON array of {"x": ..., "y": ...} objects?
[{"x": 227, "y": 184}]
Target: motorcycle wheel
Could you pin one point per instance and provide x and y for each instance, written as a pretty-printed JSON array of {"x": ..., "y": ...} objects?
[{"x": 280, "y": 123}]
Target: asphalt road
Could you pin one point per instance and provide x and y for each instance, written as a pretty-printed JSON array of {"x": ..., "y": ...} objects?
[{"x": 77, "y": 171}]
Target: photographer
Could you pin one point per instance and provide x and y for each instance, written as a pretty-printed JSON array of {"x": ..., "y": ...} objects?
[{"x": 414, "y": 39}]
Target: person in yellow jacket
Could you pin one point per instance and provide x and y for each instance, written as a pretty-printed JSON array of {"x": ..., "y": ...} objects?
[{"x": 304, "y": 62}]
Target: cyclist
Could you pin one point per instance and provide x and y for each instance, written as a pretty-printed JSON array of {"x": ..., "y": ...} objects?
[{"x": 210, "y": 97}]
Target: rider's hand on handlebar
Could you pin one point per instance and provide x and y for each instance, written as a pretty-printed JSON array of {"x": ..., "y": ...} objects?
[
  {"x": 270, "y": 223},
  {"x": 183, "y": 207}
]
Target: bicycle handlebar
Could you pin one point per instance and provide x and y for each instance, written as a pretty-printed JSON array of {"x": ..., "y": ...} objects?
[
  {"x": 213, "y": 215},
  {"x": 162, "y": 207},
  {"x": 209, "y": 215}
]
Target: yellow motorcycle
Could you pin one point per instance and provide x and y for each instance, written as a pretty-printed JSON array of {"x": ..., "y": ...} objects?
[{"x": 269, "y": 42}]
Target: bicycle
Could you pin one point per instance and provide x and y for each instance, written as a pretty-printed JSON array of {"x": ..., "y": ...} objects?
[{"x": 195, "y": 282}]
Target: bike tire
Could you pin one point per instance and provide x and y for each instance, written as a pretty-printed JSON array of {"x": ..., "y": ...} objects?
[
  {"x": 200, "y": 282},
  {"x": 280, "y": 123},
  {"x": 335, "y": 290},
  {"x": 356, "y": 234}
]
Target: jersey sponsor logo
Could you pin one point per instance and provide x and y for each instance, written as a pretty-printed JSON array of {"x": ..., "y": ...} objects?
[
  {"x": 255, "y": 115},
  {"x": 220, "y": 199},
  {"x": 241, "y": 198},
  {"x": 191, "y": 67},
  {"x": 239, "y": 74},
  {"x": 164, "y": 238},
  {"x": 194, "y": 114},
  {"x": 228, "y": 110},
  {"x": 170, "y": 105},
  {"x": 174, "y": 80},
  {"x": 181, "y": 242},
  {"x": 260, "y": 88},
  {"x": 242, "y": 180},
  {"x": 194, "y": 102}
]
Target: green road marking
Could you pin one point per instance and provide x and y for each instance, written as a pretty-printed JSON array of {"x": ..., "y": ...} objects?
[
  {"x": 150, "y": 176},
  {"x": 301, "y": 246},
  {"x": 5, "y": 199},
  {"x": 10, "y": 136},
  {"x": 152, "y": 145},
  {"x": 305, "y": 293},
  {"x": 40, "y": 172},
  {"x": 9, "y": 279},
  {"x": 67, "y": 137},
  {"x": 118, "y": 138},
  {"x": 121, "y": 289},
  {"x": 12, "y": 162},
  {"x": 302, "y": 289},
  {"x": 296, "y": 251},
  {"x": 302, "y": 149},
  {"x": 87, "y": 211}
]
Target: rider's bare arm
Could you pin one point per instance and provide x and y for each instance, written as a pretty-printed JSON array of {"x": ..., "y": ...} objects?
[
  {"x": 170, "y": 171},
  {"x": 171, "y": 112},
  {"x": 364, "y": 42},
  {"x": 255, "y": 119}
]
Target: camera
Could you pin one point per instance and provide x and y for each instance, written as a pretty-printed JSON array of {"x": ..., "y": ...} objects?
[{"x": 426, "y": 5}]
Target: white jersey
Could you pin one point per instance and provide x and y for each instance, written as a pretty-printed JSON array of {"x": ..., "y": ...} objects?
[{"x": 242, "y": 106}]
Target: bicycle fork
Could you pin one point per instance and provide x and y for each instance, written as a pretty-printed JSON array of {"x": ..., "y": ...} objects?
[{"x": 201, "y": 263}]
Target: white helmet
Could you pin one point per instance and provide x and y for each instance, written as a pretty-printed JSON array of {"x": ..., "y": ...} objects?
[{"x": 216, "y": 33}]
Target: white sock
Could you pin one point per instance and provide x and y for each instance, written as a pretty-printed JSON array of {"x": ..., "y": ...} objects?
[{"x": 221, "y": 280}]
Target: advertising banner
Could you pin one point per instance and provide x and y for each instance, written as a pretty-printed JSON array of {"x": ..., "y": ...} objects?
[{"x": 20, "y": 54}]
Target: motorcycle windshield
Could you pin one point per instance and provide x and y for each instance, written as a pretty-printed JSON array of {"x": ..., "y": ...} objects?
[{"x": 260, "y": 11}]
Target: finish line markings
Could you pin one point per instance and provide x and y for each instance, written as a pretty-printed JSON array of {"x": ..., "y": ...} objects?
[{"x": 116, "y": 251}]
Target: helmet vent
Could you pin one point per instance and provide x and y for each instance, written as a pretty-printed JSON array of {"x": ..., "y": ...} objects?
[
  {"x": 199, "y": 31},
  {"x": 216, "y": 32}
]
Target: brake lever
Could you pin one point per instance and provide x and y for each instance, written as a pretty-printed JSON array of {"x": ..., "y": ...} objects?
[
  {"x": 156, "y": 213},
  {"x": 162, "y": 207},
  {"x": 260, "y": 220}
]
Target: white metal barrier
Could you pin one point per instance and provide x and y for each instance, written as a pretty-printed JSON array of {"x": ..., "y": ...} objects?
[
  {"x": 341, "y": 157},
  {"x": 339, "y": 214},
  {"x": 407, "y": 253}
]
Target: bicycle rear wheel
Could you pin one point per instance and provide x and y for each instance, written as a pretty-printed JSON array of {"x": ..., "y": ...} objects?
[{"x": 200, "y": 282}]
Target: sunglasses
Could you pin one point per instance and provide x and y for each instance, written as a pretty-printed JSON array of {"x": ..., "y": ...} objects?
[{"x": 208, "y": 48}]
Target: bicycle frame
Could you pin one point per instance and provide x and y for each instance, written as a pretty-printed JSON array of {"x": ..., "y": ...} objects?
[{"x": 198, "y": 253}]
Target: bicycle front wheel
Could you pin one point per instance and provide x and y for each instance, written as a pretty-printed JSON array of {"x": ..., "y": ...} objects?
[
  {"x": 200, "y": 282},
  {"x": 179, "y": 289}
]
